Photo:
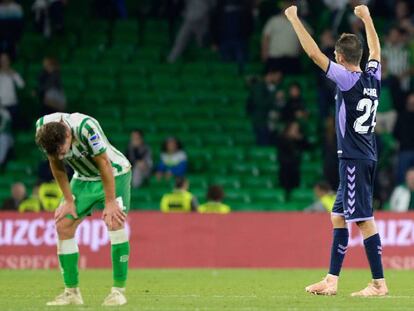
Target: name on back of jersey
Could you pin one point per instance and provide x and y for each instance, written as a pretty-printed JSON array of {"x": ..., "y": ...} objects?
[{"x": 370, "y": 92}]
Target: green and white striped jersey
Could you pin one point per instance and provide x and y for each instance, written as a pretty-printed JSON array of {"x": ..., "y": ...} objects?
[{"x": 88, "y": 141}]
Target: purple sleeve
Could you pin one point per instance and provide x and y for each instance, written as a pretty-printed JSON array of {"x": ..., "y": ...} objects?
[
  {"x": 374, "y": 68},
  {"x": 343, "y": 78}
]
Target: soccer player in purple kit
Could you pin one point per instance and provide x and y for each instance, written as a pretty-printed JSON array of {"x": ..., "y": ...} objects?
[{"x": 357, "y": 99}]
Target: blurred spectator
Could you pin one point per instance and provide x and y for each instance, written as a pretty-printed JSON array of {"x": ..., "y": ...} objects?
[
  {"x": 386, "y": 112},
  {"x": 280, "y": 45},
  {"x": 6, "y": 138},
  {"x": 397, "y": 55},
  {"x": 294, "y": 109},
  {"x": 195, "y": 23},
  {"x": 44, "y": 173},
  {"x": 173, "y": 160},
  {"x": 402, "y": 198},
  {"x": 140, "y": 156},
  {"x": 174, "y": 9},
  {"x": 402, "y": 15},
  {"x": 342, "y": 14},
  {"x": 31, "y": 204},
  {"x": 57, "y": 15},
  {"x": 326, "y": 88},
  {"x": 384, "y": 174},
  {"x": 329, "y": 153},
  {"x": 50, "y": 196},
  {"x": 232, "y": 26},
  {"x": 49, "y": 16},
  {"x": 326, "y": 198},
  {"x": 9, "y": 80},
  {"x": 50, "y": 89},
  {"x": 180, "y": 200},
  {"x": 404, "y": 133},
  {"x": 11, "y": 26},
  {"x": 112, "y": 9},
  {"x": 261, "y": 100},
  {"x": 291, "y": 144},
  {"x": 215, "y": 196},
  {"x": 18, "y": 194}
]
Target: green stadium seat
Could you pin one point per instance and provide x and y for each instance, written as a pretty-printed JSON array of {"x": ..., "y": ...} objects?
[
  {"x": 73, "y": 83},
  {"x": 258, "y": 183},
  {"x": 303, "y": 195},
  {"x": 245, "y": 168},
  {"x": 237, "y": 195},
  {"x": 268, "y": 168},
  {"x": 145, "y": 205},
  {"x": 102, "y": 84},
  {"x": 262, "y": 154},
  {"x": 131, "y": 82},
  {"x": 227, "y": 182},
  {"x": 242, "y": 206},
  {"x": 291, "y": 206},
  {"x": 267, "y": 194},
  {"x": 217, "y": 140},
  {"x": 230, "y": 154}
]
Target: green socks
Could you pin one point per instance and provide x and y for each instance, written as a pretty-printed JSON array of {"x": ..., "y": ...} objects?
[
  {"x": 68, "y": 257},
  {"x": 120, "y": 256}
]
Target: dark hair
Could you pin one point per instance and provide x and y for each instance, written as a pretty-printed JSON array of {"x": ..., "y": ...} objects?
[
  {"x": 350, "y": 46},
  {"x": 51, "y": 136},
  {"x": 215, "y": 193},
  {"x": 180, "y": 182},
  {"x": 164, "y": 144},
  {"x": 324, "y": 186}
]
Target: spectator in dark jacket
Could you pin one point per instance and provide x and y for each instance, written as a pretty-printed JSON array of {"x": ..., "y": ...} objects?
[
  {"x": 50, "y": 89},
  {"x": 404, "y": 133},
  {"x": 11, "y": 26},
  {"x": 261, "y": 101},
  {"x": 232, "y": 27},
  {"x": 291, "y": 144},
  {"x": 326, "y": 88},
  {"x": 18, "y": 195},
  {"x": 329, "y": 153},
  {"x": 295, "y": 107},
  {"x": 139, "y": 154},
  {"x": 173, "y": 160}
]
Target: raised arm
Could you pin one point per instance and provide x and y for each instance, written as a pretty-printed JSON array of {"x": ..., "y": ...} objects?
[
  {"x": 306, "y": 40},
  {"x": 374, "y": 46}
]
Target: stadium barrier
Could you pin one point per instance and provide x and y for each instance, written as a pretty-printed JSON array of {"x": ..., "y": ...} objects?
[{"x": 237, "y": 240}]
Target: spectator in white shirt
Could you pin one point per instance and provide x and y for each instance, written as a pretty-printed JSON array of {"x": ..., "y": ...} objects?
[
  {"x": 402, "y": 198},
  {"x": 9, "y": 80},
  {"x": 280, "y": 45}
]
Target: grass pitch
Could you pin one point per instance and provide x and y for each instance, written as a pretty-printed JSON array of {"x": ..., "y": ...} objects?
[{"x": 207, "y": 290}]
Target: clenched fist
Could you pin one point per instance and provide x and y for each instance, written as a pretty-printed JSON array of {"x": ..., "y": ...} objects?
[
  {"x": 362, "y": 12},
  {"x": 291, "y": 12}
]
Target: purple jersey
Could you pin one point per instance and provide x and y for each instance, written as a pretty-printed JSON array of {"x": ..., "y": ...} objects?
[{"x": 357, "y": 98}]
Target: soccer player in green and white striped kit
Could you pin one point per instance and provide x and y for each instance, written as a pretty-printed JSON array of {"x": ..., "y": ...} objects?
[{"x": 102, "y": 178}]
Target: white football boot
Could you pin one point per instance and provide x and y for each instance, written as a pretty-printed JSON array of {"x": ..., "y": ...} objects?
[
  {"x": 71, "y": 296},
  {"x": 115, "y": 298}
]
